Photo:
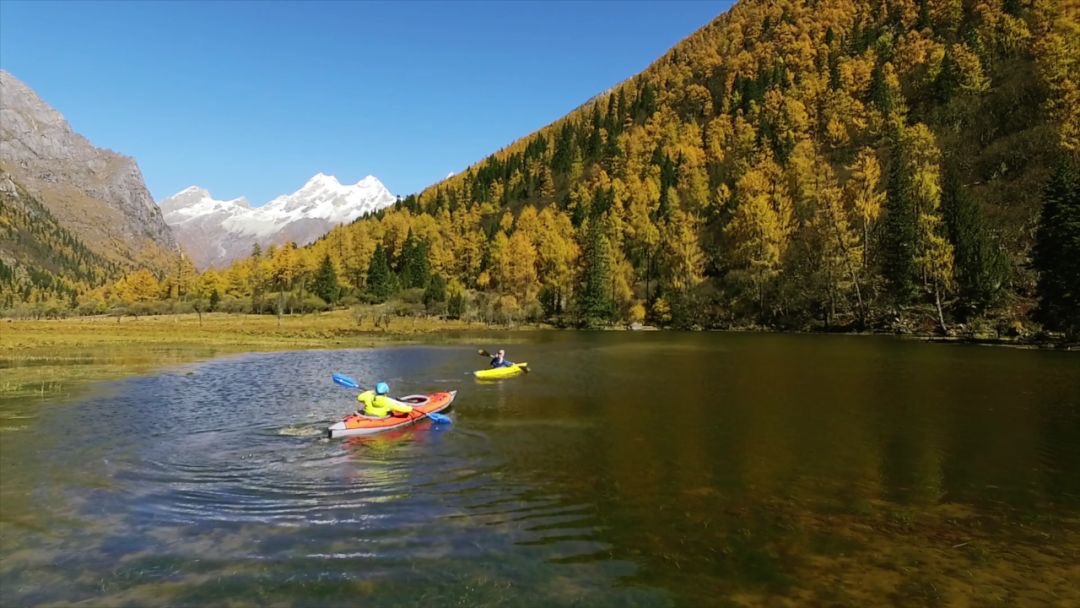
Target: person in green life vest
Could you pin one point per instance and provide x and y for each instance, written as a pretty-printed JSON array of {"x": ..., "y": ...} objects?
[{"x": 377, "y": 404}]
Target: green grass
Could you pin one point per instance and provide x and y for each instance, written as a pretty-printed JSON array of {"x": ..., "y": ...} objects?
[{"x": 50, "y": 359}]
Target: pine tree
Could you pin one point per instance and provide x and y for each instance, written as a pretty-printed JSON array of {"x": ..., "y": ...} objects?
[
  {"x": 1057, "y": 252},
  {"x": 326, "y": 281},
  {"x": 981, "y": 266},
  {"x": 436, "y": 291},
  {"x": 897, "y": 246},
  {"x": 594, "y": 141},
  {"x": 948, "y": 80},
  {"x": 565, "y": 146},
  {"x": 380, "y": 281},
  {"x": 594, "y": 302},
  {"x": 415, "y": 265}
]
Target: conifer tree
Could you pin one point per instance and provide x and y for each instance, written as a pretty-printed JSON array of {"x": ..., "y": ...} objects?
[
  {"x": 415, "y": 264},
  {"x": 326, "y": 281},
  {"x": 934, "y": 260},
  {"x": 380, "y": 281},
  {"x": 594, "y": 303},
  {"x": 435, "y": 294},
  {"x": 1057, "y": 252},
  {"x": 981, "y": 266},
  {"x": 898, "y": 231},
  {"x": 866, "y": 198}
]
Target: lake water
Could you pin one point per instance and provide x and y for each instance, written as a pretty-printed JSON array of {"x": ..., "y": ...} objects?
[{"x": 628, "y": 469}]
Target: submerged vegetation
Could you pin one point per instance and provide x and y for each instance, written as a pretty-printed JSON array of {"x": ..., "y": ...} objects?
[{"x": 828, "y": 164}]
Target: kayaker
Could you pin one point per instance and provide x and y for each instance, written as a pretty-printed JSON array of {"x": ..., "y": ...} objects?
[
  {"x": 365, "y": 398},
  {"x": 499, "y": 360},
  {"x": 378, "y": 405}
]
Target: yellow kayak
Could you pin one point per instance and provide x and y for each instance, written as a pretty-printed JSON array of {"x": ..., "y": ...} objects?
[{"x": 500, "y": 372}]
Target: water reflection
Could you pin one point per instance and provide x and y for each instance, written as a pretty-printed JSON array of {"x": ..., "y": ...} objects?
[{"x": 652, "y": 470}]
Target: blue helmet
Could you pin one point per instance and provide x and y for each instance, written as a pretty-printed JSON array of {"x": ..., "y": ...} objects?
[{"x": 382, "y": 388}]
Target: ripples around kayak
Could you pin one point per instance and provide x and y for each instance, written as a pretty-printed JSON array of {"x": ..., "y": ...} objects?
[{"x": 217, "y": 482}]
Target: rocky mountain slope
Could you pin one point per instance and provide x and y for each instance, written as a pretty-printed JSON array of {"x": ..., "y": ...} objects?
[{"x": 96, "y": 194}]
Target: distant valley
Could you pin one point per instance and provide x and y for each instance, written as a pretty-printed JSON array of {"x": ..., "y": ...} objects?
[{"x": 74, "y": 216}]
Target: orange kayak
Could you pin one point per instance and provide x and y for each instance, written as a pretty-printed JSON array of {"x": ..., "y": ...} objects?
[{"x": 356, "y": 424}]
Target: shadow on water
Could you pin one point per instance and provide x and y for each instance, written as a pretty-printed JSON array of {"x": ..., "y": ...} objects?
[{"x": 626, "y": 470}]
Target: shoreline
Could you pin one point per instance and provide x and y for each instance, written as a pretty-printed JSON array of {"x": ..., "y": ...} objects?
[
  {"x": 1018, "y": 342},
  {"x": 52, "y": 359},
  {"x": 339, "y": 329}
]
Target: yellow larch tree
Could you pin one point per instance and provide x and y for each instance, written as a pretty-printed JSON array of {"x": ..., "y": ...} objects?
[
  {"x": 760, "y": 227},
  {"x": 864, "y": 192}
]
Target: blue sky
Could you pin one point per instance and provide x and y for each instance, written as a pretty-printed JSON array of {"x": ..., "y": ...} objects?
[{"x": 253, "y": 98}]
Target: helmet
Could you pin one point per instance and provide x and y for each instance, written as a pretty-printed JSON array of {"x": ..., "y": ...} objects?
[{"x": 382, "y": 388}]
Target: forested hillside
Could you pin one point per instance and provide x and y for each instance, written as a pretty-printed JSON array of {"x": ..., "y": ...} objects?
[
  {"x": 72, "y": 215},
  {"x": 795, "y": 164},
  {"x": 40, "y": 260}
]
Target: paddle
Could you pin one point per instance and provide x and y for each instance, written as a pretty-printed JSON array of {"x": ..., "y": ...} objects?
[
  {"x": 345, "y": 381},
  {"x": 438, "y": 418},
  {"x": 522, "y": 366},
  {"x": 348, "y": 382}
]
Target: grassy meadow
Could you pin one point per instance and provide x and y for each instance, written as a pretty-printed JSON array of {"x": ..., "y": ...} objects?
[{"x": 49, "y": 359}]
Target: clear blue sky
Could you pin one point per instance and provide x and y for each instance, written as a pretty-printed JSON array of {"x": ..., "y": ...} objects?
[{"x": 253, "y": 98}]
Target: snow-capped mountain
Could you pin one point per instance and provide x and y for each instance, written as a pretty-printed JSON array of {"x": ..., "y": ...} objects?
[{"x": 215, "y": 233}]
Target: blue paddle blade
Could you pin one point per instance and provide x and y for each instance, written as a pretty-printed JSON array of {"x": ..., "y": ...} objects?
[
  {"x": 345, "y": 381},
  {"x": 439, "y": 418}
]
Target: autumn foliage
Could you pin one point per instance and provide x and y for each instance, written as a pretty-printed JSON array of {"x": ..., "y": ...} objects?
[{"x": 794, "y": 163}]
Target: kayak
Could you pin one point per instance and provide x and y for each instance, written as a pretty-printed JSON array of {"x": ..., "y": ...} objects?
[
  {"x": 500, "y": 372},
  {"x": 357, "y": 424}
]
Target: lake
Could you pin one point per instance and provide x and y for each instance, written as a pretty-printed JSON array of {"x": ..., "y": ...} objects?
[{"x": 627, "y": 469}]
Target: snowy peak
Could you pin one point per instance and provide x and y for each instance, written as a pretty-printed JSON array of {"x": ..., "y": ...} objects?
[
  {"x": 194, "y": 202},
  {"x": 217, "y": 232},
  {"x": 321, "y": 181},
  {"x": 324, "y": 197}
]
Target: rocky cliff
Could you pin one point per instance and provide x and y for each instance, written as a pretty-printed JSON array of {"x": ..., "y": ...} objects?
[{"x": 97, "y": 194}]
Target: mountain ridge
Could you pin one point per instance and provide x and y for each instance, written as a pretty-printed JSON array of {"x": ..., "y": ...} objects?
[
  {"x": 217, "y": 232},
  {"x": 98, "y": 217},
  {"x": 77, "y": 180},
  {"x": 790, "y": 164}
]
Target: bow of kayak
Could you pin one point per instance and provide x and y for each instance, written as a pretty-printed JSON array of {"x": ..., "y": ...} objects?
[
  {"x": 500, "y": 372},
  {"x": 355, "y": 424}
]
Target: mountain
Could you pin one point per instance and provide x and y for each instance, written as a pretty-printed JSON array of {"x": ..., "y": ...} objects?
[
  {"x": 40, "y": 258},
  {"x": 794, "y": 163},
  {"x": 216, "y": 233},
  {"x": 832, "y": 164},
  {"x": 95, "y": 196}
]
